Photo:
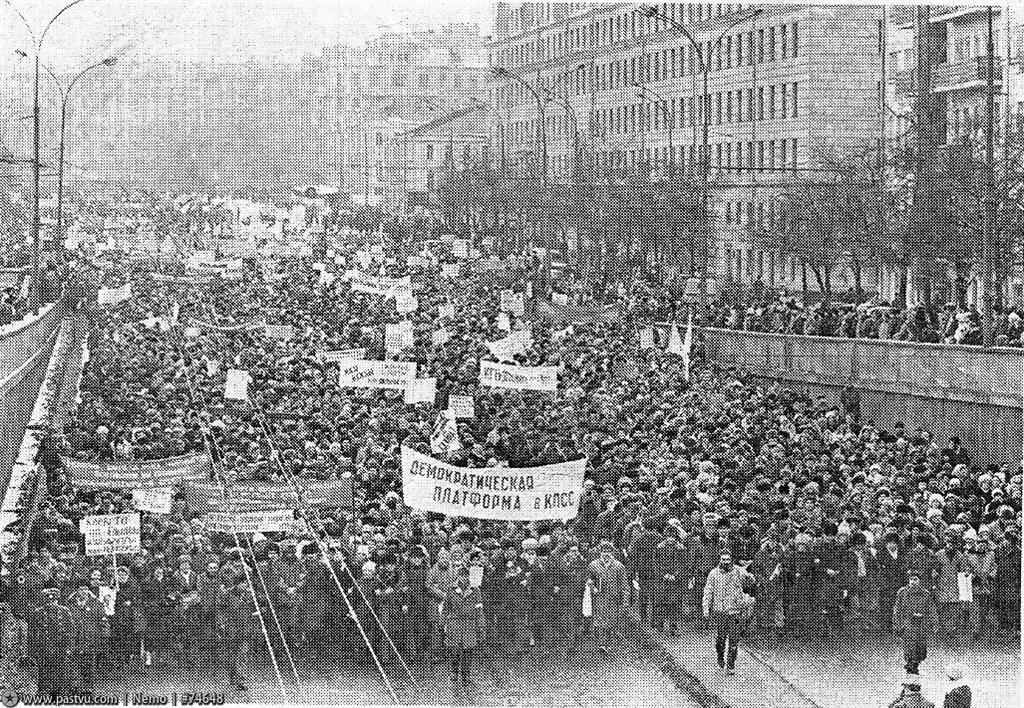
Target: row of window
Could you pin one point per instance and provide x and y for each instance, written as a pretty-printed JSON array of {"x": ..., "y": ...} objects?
[
  {"x": 723, "y": 107},
  {"x": 600, "y": 32},
  {"x": 754, "y": 156},
  {"x": 744, "y": 49},
  {"x": 754, "y": 264}
]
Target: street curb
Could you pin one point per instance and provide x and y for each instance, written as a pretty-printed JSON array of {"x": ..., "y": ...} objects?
[{"x": 673, "y": 669}]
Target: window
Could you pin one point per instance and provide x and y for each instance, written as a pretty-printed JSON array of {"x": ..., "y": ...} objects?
[
  {"x": 728, "y": 52},
  {"x": 784, "y": 97},
  {"x": 760, "y": 103},
  {"x": 771, "y": 103},
  {"x": 728, "y": 107},
  {"x": 718, "y": 108},
  {"x": 782, "y": 153},
  {"x": 760, "y": 46},
  {"x": 784, "y": 45},
  {"x": 794, "y": 42},
  {"x": 760, "y": 154},
  {"x": 750, "y": 48},
  {"x": 794, "y": 100},
  {"x": 792, "y": 153},
  {"x": 430, "y": 153},
  {"x": 771, "y": 44}
]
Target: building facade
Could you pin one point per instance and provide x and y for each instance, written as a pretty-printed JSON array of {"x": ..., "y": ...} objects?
[
  {"x": 392, "y": 85},
  {"x": 787, "y": 89}
]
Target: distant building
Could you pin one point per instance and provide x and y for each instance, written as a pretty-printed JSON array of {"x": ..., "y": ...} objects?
[{"x": 391, "y": 85}]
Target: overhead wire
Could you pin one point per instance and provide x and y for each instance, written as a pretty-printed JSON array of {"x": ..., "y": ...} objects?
[
  {"x": 207, "y": 438},
  {"x": 322, "y": 547}
]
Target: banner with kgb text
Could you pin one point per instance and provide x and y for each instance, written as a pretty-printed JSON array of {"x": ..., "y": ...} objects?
[
  {"x": 511, "y": 494},
  {"x": 525, "y": 378},
  {"x": 136, "y": 474}
]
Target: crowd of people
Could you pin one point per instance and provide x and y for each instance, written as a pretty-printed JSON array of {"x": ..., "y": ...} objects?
[
  {"x": 707, "y": 498},
  {"x": 949, "y": 324}
]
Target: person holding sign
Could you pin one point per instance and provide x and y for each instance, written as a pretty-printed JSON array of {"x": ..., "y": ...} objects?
[
  {"x": 93, "y": 628},
  {"x": 463, "y": 618},
  {"x": 609, "y": 591}
]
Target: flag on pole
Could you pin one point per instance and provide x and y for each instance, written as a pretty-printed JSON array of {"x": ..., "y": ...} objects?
[
  {"x": 675, "y": 342},
  {"x": 687, "y": 348}
]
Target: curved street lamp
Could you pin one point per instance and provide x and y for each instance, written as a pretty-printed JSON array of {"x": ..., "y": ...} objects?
[
  {"x": 37, "y": 43},
  {"x": 65, "y": 95},
  {"x": 505, "y": 73}
]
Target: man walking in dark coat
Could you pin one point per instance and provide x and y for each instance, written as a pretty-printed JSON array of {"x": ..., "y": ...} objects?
[
  {"x": 914, "y": 617},
  {"x": 669, "y": 559},
  {"x": 641, "y": 565},
  {"x": 51, "y": 644}
]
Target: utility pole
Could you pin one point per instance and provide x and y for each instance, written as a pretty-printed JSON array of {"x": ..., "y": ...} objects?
[{"x": 989, "y": 215}]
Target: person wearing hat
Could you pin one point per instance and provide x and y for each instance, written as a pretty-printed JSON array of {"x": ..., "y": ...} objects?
[
  {"x": 800, "y": 565},
  {"x": 464, "y": 629},
  {"x": 609, "y": 591},
  {"x": 416, "y": 603},
  {"x": 910, "y": 694},
  {"x": 93, "y": 629},
  {"x": 958, "y": 693},
  {"x": 670, "y": 561},
  {"x": 235, "y": 611},
  {"x": 914, "y": 618},
  {"x": 954, "y": 610},
  {"x": 51, "y": 645}
]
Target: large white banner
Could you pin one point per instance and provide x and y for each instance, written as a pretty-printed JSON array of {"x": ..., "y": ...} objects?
[
  {"x": 236, "y": 386},
  {"x": 421, "y": 391},
  {"x": 525, "y": 378},
  {"x": 379, "y": 285},
  {"x": 114, "y": 296},
  {"x": 513, "y": 494},
  {"x": 112, "y": 533},
  {"x": 157, "y": 500},
  {"x": 339, "y": 355},
  {"x": 398, "y": 336},
  {"x": 365, "y": 373},
  {"x": 251, "y": 522}
]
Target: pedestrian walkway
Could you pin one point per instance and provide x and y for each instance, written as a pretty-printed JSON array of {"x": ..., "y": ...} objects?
[{"x": 838, "y": 673}]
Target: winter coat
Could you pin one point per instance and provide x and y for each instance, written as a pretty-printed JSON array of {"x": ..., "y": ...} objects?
[
  {"x": 669, "y": 560},
  {"x": 463, "y": 617},
  {"x": 609, "y": 591},
  {"x": 724, "y": 591},
  {"x": 93, "y": 628},
  {"x": 950, "y": 565}
]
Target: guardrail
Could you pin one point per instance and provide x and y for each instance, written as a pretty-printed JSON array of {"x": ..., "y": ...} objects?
[{"x": 949, "y": 389}]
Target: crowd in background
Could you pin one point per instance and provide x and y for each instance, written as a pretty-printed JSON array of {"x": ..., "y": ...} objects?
[{"x": 827, "y": 512}]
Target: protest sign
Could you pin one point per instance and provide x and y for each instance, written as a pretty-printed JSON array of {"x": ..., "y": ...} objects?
[
  {"x": 339, "y": 355},
  {"x": 406, "y": 303},
  {"x": 460, "y": 248},
  {"x": 398, "y": 336},
  {"x": 251, "y": 522},
  {"x": 506, "y": 298},
  {"x": 364, "y": 373},
  {"x": 503, "y": 322},
  {"x": 111, "y": 533},
  {"x": 156, "y": 500},
  {"x": 236, "y": 386},
  {"x": 559, "y": 298},
  {"x": 445, "y": 435},
  {"x": 525, "y": 378},
  {"x": 114, "y": 296},
  {"x": 203, "y": 497},
  {"x": 421, "y": 391},
  {"x": 256, "y": 324},
  {"x": 647, "y": 338},
  {"x": 462, "y": 406},
  {"x": 511, "y": 494},
  {"x": 283, "y": 332},
  {"x": 578, "y": 314},
  {"x": 136, "y": 474},
  {"x": 507, "y": 348},
  {"x": 450, "y": 270},
  {"x": 441, "y": 337},
  {"x": 446, "y": 311},
  {"x": 517, "y": 306}
]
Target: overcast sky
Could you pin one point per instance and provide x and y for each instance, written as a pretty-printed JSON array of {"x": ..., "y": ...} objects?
[{"x": 225, "y": 30}]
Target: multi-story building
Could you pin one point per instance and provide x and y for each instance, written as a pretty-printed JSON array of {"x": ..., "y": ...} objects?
[
  {"x": 787, "y": 88},
  {"x": 184, "y": 126},
  {"x": 390, "y": 86},
  {"x": 945, "y": 48}
]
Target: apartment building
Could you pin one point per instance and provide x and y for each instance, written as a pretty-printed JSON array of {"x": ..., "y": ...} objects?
[{"x": 786, "y": 87}]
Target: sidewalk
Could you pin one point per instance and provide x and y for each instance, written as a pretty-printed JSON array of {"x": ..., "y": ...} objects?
[{"x": 840, "y": 673}]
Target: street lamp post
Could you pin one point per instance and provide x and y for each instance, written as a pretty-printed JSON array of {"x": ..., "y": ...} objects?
[
  {"x": 65, "y": 95},
  {"x": 38, "y": 45},
  {"x": 541, "y": 128},
  {"x": 705, "y": 109},
  {"x": 669, "y": 117}
]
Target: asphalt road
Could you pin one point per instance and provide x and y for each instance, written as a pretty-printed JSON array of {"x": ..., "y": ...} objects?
[{"x": 541, "y": 677}]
